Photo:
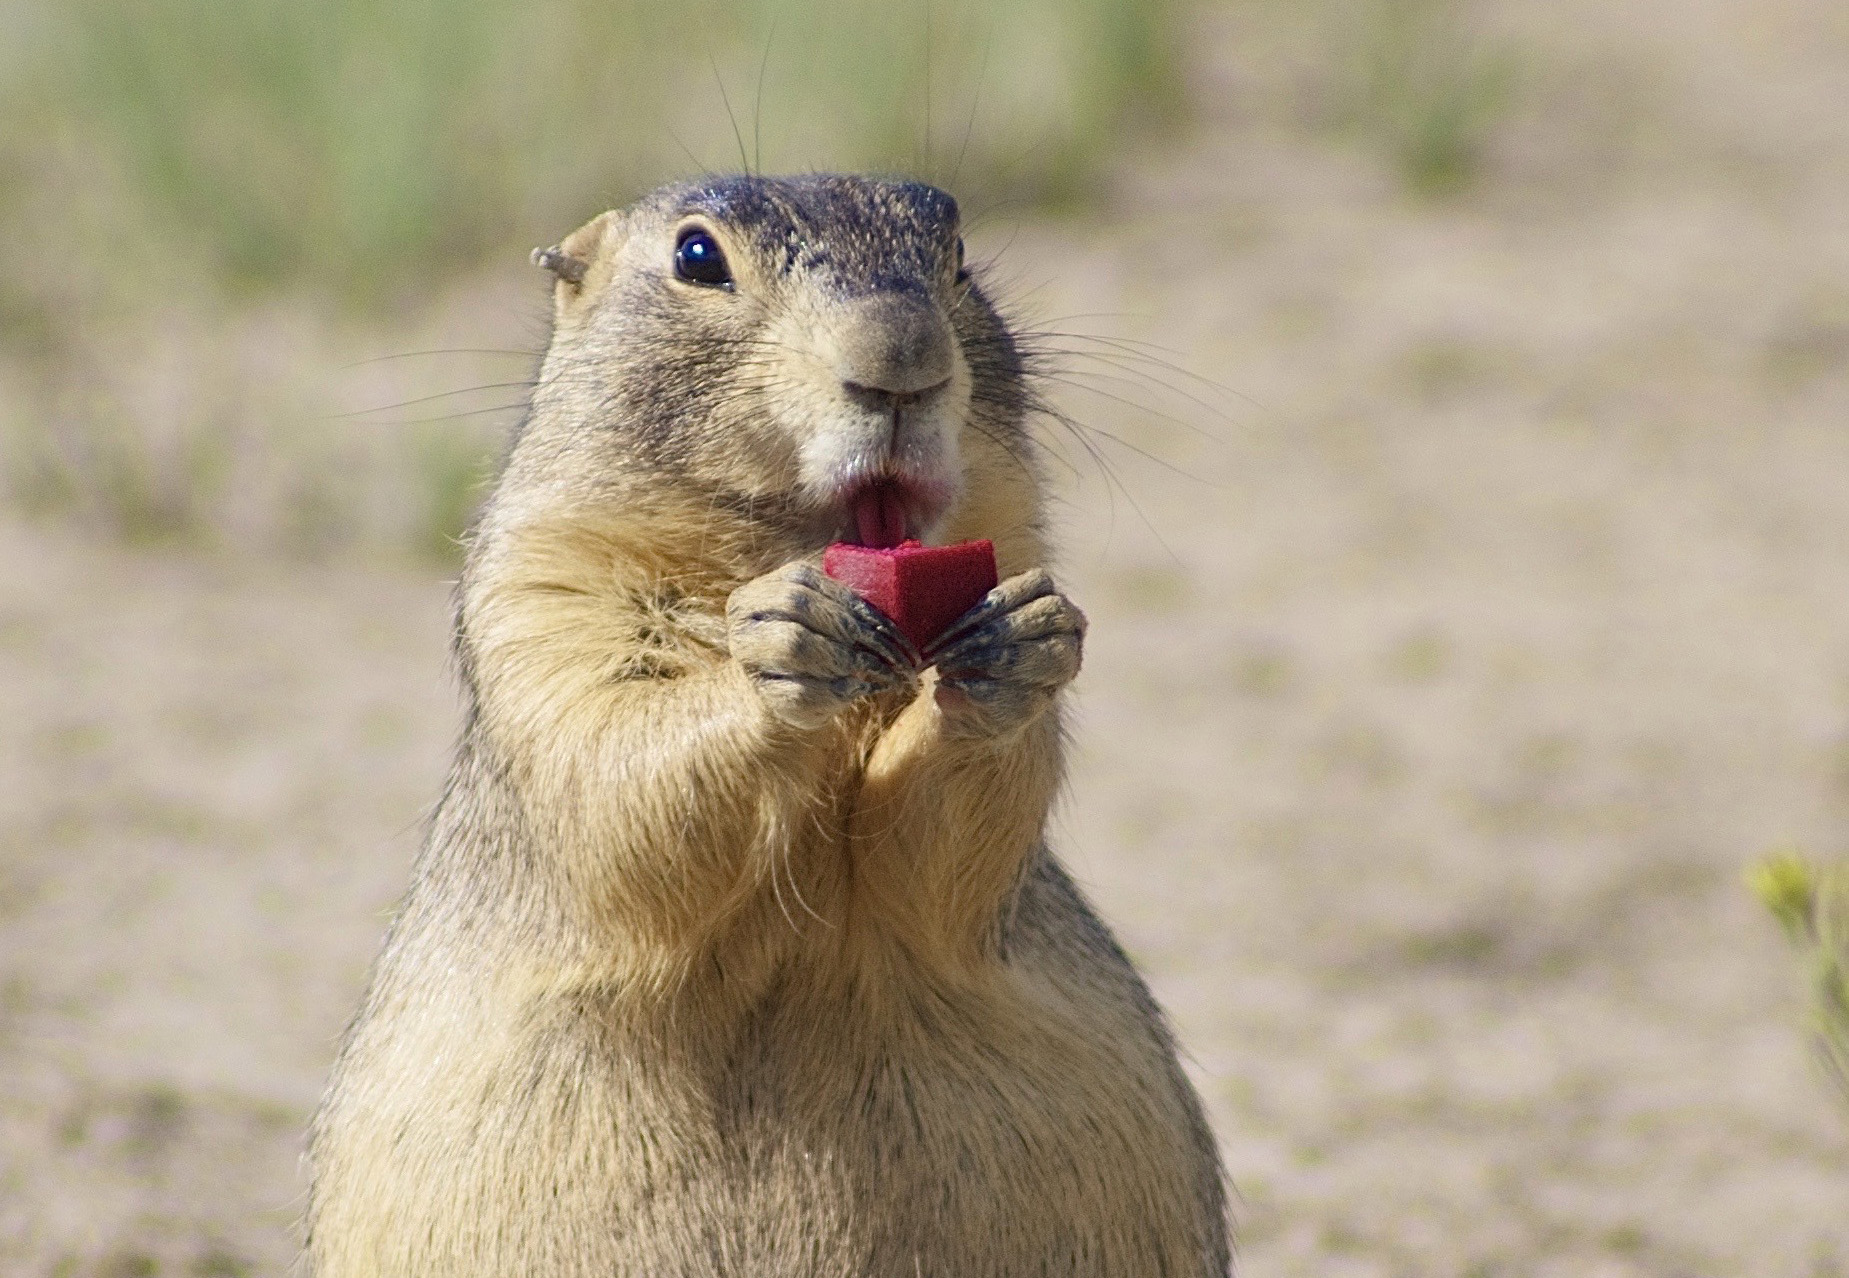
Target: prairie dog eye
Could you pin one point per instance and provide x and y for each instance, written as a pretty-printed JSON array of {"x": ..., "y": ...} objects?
[
  {"x": 697, "y": 260},
  {"x": 962, "y": 271}
]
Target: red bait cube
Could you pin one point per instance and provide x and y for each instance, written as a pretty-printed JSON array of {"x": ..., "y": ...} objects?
[{"x": 922, "y": 588}]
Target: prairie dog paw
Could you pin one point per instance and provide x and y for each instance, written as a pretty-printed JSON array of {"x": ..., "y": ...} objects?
[
  {"x": 1005, "y": 659},
  {"x": 812, "y": 646}
]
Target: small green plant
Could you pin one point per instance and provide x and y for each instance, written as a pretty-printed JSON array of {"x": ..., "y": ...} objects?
[
  {"x": 1421, "y": 80},
  {"x": 1811, "y": 902}
]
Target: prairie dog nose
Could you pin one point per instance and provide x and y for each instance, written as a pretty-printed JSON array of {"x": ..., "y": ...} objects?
[{"x": 893, "y": 347}]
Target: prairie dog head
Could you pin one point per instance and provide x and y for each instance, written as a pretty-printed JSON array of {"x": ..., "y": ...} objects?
[{"x": 808, "y": 353}]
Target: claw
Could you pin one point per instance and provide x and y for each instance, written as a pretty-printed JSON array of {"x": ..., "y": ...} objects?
[
  {"x": 813, "y": 646},
  {"x": 1010, "y": 595},
  {"x": 1003, "y": 662}
]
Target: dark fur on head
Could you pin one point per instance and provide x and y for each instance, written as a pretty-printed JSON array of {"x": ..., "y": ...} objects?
[{"x": 717, "y": 391}]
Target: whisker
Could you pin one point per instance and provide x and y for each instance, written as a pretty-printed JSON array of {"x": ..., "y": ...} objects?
[
  {"x": 757, "y": 107},
  {"x": 428, "y": 399},
  {"x": 1139, "y": 379},
  {"x": 743, "y": 159},
  {"x": 1130, "y": 348},
  {"x": 975, "y": 105},
  {"x": 687, "y": 151},
  {"x": 1068, "y": 380},
  {"x": 1145, "y": 454},
  {"x": 441, "y": 417},
  {"x": 1110, "y": 475},
  {"x": 445, "y": 350},
  {"x": 1013, "y": 453}
]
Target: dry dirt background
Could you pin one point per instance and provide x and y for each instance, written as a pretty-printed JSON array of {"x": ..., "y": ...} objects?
[{"x": 1497, "y": 617}]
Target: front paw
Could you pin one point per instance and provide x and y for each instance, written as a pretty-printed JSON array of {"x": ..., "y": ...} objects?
[
  {"x": 1002, "y": 663},
  {"x": 812, "y": 646}
]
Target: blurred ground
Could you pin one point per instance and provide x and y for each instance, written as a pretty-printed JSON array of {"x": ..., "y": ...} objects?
[{"x": 1469, "y": 652}]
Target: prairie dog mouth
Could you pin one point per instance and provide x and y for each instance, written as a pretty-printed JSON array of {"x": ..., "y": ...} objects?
[{"x": 883, "y": 513}]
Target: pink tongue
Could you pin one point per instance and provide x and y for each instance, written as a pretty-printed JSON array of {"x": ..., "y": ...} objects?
[{"x": 879, "y": 517}]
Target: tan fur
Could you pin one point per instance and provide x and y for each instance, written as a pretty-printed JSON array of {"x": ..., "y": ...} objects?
[{"x": 695, "y": 980}]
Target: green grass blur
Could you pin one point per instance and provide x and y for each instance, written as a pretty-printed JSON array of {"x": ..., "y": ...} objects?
[
  {"x": 1422, "y": 83},
  {"x": 206, "y": 206},
  {"x": 361, "y": 147},
  {"x": 1811, "y": 902}
]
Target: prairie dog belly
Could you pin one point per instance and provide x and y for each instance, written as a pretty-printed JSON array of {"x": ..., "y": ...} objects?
[
  {"x": 1016, "y": 1120},
  {"x": 999, "y": 1129}
]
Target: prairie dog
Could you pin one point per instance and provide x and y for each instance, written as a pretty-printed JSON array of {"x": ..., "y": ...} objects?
[{"x": 734, "y": 947}]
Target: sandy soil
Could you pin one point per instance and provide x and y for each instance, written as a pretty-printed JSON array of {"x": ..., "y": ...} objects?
[{"x": 1481, "y": 634}]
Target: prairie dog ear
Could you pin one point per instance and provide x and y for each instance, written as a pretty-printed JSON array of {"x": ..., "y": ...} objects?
[{"x": 580, "y": 260}]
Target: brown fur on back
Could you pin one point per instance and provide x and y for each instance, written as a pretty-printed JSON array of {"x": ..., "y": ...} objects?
[{"x": 679, "y": 988}]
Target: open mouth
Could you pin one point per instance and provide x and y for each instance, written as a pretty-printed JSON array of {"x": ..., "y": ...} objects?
[{"x": 881, "y": 514}]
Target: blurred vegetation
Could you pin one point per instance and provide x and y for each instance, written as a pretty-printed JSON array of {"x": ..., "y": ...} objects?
[
  {"x": 1425, "y": 83},
  {"x": 359, "y": 146},
  {"x": 1811, "y": 902},
  {"x": 205, "y": 205}
]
